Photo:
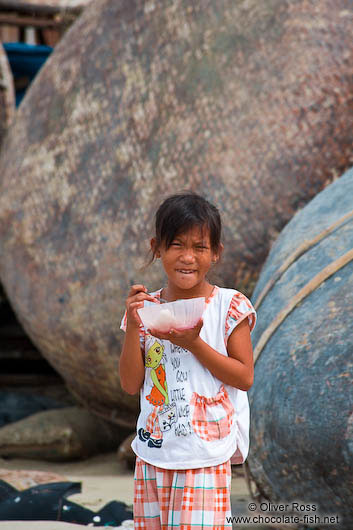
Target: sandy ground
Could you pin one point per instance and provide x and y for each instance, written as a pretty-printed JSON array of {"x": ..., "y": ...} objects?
[{"x": 103, "y": 479}]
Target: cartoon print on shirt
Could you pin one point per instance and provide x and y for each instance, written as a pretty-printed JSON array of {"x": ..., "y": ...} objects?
[
  {"x": 159, "y": 392},
  {"x": 167, "y": 417},
  {"x": 163, "y": 414}
]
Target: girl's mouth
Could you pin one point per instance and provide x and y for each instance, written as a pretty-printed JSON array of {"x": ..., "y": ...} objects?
[{"x": 185, "y": 271}]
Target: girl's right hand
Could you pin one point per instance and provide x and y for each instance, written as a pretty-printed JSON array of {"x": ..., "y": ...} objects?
[{"x": 137, "y": 295}]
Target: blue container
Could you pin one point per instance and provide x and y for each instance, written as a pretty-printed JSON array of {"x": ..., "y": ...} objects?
[{"x": 25, "y": 62}]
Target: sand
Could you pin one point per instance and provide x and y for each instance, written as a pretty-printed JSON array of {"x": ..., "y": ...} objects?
[{"x": 103, "y": 479}]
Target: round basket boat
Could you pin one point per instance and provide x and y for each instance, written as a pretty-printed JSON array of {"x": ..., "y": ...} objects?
[
  {"x": 301, "y": 401},
  {"x": 7, "y": 94},
  {"x": 245, "y": 102},
  {"x": 7, "y": 109}
]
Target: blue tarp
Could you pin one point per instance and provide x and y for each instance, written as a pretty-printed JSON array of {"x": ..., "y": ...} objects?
[{"x": 25, "y": 61}]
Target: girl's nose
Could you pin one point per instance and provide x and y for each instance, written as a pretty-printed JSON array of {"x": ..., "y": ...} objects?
[{"x": 188, "y": 255}]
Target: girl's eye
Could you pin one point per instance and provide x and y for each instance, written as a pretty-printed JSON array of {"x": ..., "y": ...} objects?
[
  {"x": 175, "y": 244},
  {"x": 201, "y": 247}
]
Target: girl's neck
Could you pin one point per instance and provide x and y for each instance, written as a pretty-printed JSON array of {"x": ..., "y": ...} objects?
[{"x": 171, "y": 293}]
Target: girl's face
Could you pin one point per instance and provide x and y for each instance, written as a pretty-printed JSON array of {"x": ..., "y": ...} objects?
[{"x": 188, "y": 260}]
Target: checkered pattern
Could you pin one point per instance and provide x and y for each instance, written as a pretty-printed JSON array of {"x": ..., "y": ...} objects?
[
  {"x": 212, "y": 418},
  {"x": 189, "y": 499},
  {"x": 240, "y": 308},
  {"x": 152, "y": 424}
]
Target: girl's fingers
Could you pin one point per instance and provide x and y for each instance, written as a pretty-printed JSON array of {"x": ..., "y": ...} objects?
[
  {"x": 132, "y": 311},
  {"x": 135, "y": 305},
  {"x": 140, "y": 290},
  {"x": 160, "y": 335},
  {"x": 144, "y": 296},
  {"x": 137, "y": 288},
  {"x": 156, "y": 334},
  {"x": 138, "y": 299}
]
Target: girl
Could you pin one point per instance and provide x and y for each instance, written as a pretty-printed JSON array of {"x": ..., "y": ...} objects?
[{"x": 198, "y": 418}]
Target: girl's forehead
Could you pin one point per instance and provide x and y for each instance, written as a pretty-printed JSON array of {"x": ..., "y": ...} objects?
[{"x": 200, "y": 233}]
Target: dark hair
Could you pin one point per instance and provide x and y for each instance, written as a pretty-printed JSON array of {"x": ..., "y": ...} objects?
[{"x": 182, "y": 211}]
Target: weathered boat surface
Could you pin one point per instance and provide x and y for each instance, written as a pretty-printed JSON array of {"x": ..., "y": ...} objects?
[
  {"x": 7, "y": 94},
  {"x": 246, "y": 102},
  {"x": 302, "y": 401}
]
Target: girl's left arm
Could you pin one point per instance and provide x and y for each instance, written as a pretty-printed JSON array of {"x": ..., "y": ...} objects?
[{"x": 237, "y": 369}]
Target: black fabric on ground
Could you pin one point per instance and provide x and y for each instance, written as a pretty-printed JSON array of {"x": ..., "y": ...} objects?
[
  {"x": 114, "y": 511},
  {"x": 41, "y": 502},
  {"x": 47, "y": 502},
  {"x": 6, "y": 490}
]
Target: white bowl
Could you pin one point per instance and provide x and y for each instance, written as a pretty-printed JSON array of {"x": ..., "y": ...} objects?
[{"x": 181, "y": 314}]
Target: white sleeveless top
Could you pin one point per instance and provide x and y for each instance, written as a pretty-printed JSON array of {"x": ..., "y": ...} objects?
[{"x": 196, "y": 421}]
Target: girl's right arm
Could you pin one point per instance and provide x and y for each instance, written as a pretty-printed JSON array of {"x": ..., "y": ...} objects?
[{"x": 131, "y": 364}]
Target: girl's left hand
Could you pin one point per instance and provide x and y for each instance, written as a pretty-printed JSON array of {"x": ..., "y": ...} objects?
[{"x": 184, "y": 338}]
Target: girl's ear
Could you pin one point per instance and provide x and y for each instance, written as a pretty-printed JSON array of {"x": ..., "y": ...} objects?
[
  {"x": 217, "y": 255},
  {"x": 154, "y": 249}
]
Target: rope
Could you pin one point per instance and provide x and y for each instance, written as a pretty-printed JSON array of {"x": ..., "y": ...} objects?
[
  {"x": 313, "y": 284},
  {"x": 304, "y": 247}
]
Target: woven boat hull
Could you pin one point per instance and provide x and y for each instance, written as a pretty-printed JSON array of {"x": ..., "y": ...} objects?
[
  {"x": 7, "y": 94},
  {"x": 301, "y": 401}
]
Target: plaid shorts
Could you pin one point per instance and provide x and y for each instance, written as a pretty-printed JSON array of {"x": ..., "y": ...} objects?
[{"x": 189, "y": 499}]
